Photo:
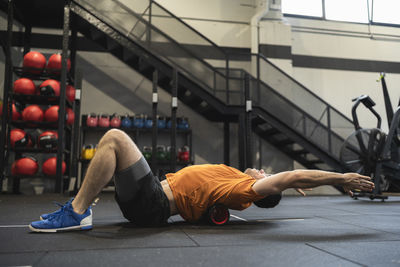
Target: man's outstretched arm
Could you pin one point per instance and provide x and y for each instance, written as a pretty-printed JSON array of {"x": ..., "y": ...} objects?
[{"x": 277, "y": 183}]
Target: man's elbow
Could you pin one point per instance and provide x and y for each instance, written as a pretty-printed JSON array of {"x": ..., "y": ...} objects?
[{"x": 291, "y": 179}]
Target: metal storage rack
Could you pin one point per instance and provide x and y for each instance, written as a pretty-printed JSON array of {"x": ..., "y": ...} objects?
[{"x": 67, "y": 135}]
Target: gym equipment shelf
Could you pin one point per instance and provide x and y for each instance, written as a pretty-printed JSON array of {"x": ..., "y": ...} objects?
[
  {"x": 67, "y": 134},
  {"x": 65, "y": 177},
  {"x": 42, "y": 125},
  {"x": 39, "y": 99},
  {"x": 38, "y": 150},
  {"x": 43, "y": 75},
  {"x": 158, "y": 166}
]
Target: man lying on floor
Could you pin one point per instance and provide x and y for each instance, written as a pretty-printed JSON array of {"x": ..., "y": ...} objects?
[{"x": 189, "y": 192}]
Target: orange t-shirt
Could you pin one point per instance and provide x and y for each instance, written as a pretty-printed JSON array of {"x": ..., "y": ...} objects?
[{"x": 198, "y": 187}]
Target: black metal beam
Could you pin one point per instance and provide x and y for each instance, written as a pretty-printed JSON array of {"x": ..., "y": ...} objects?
[
  {"x": 154, "y": 136},
  {"x": 61, "y": 112},
  {"x": 247, "y": 125},
  {"x": 76, "y": 128},
  {"x": 174, "y": 107},
  {"x": 27, "y": 38},
  {"x": 7, "y": 105},
  {"x": 227, "y": 145}
]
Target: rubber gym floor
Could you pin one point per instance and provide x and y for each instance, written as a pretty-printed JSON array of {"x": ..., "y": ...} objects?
[{"x": 301, "y": 231}]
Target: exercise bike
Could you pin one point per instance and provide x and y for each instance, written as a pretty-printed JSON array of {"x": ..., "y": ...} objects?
[{"x": 372, "y": 152}]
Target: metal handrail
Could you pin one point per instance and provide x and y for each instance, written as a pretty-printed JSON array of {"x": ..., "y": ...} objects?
[
  {"x": 303, "y": 87},
  {"x": 295, "y": 107},
  {"x": 153, "y": 28},
  {"x": 190, "y": 27}
]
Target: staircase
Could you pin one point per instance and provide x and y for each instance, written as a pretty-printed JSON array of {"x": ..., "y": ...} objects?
[{"x": 151, "y": 39}]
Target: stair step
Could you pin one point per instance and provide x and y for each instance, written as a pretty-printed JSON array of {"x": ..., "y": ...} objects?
[
  {"x": 96, "y": 34},
  {"x": 284, "y": 142},
  {"x": 145, "y": 67},
  {"x": 315, "y": 161},
  {"x": 257, "y": 120},
  {"x": 129, "y": 57},
  {"x": 270, "y": 132},
  {"x": 300, "y": 152},
  {"x": 112, "y": 44}
]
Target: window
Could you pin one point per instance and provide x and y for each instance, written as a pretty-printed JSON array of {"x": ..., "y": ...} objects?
[
  {"x": 386, "y": 11},
  {"x": 347, "y": 10},
  {"x": 361, "y": 11},
  {"x": 303, "y": 7}
]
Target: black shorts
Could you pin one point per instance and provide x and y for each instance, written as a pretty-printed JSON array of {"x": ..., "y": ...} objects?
[{"x": 149, "y": 206}]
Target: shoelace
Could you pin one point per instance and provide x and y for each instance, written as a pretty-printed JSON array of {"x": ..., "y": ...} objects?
[
  {"x": 66, "y": 209},
  {"x": 59, "y": 217}
]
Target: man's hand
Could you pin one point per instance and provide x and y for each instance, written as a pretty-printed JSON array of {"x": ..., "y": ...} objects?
[
  {"x": 355, "y": 181},
  {"x": 301, "y": 192}
]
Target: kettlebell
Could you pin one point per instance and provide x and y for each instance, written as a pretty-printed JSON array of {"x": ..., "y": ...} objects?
[
  {"x": 147, "y": 152},
  {"x": 138, "y": 121},
  {"x": 169, "y": 123},
  {"x": 183, "y": 123},
  {"x": 161, "y": 123},
  {"x": 161, "y": 153},
  {"x": 92, "y": 120},
  {"x": 88, "y": 152},
  {"x": 184, "y": 154},
  {"x": 104, "y": 120},
  {"x": 126, "y": 122},
  {"x": 168, "y": 153},
  {"x": 148, "y": 122},
  {"x": 115, "y": 121}
]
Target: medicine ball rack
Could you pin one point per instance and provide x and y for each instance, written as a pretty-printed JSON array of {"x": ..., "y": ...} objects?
[
  {"x": 67, "y": 129},
  {"x": 67, "y": 135}
]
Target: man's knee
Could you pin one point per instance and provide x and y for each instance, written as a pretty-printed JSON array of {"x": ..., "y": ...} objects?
[{"x": 115, "y": 138}]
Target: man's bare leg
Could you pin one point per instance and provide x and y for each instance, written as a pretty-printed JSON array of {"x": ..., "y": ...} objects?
[{"x": 116, "y": 151}]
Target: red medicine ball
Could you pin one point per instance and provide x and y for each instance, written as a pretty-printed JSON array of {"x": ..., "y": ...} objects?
[
  {"x": 15, "y": 114},
  {"x": 54, "y": 64},
  {"x": 70, "y": 116},
  {"x": 48, "y": 139},
  {"x": 24, "y": 166},
  {"x": 24, "y": 86},
  {"x": 51, "y": 115},
  {"x": 32, "y": 113},
  {"x": 49, "y": 167},
  {"x": 70, "y": 93},
  {"x": 50, "y": 88},
  {"x": 18, "y": 138},
  {"x": 34, "y": 60}
]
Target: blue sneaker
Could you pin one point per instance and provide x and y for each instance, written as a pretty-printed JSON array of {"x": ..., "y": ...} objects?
[
  {"x": 48, "y": 215},
  {"x": 64, "y": 220}
]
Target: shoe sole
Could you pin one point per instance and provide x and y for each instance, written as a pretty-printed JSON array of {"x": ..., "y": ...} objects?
[{"x": 71, "y": 228}]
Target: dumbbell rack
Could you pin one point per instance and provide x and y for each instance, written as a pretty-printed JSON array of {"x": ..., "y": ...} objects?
[{"x": 65, "y": 132}]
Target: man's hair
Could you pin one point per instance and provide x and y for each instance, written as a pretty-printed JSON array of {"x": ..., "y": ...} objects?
[{"x": 268, "y": 201}]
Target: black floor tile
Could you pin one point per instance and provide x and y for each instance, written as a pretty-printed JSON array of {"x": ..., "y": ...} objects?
[{"x": 311, "y": 231}]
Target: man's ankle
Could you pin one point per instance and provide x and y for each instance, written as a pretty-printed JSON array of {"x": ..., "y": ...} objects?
[{"x": 77, "y": 209}]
